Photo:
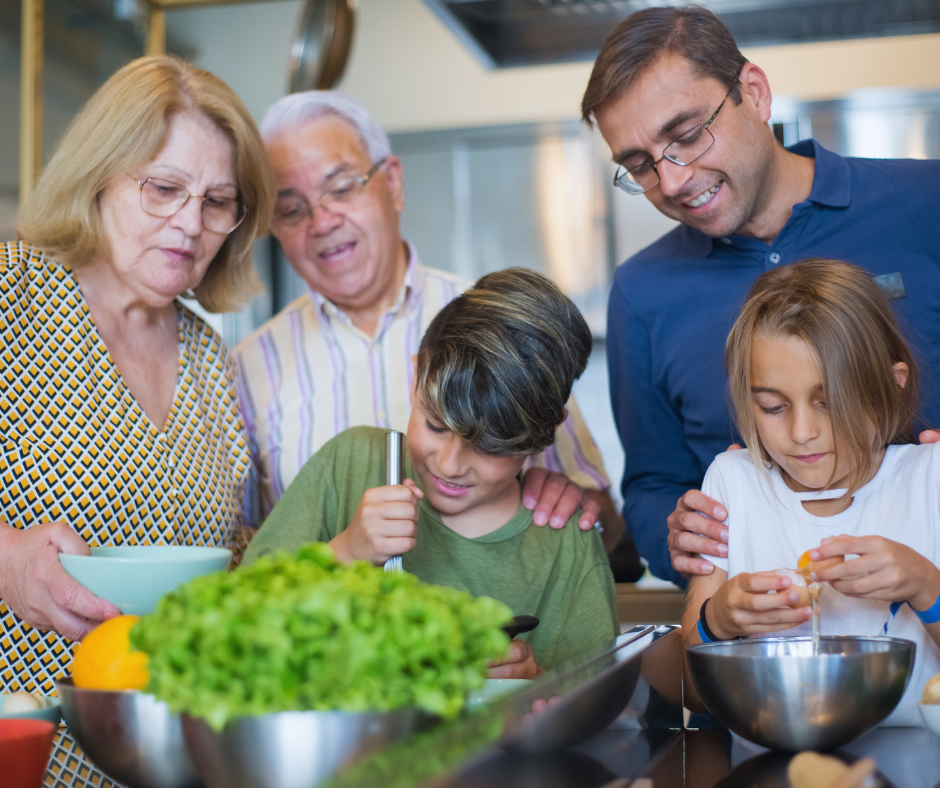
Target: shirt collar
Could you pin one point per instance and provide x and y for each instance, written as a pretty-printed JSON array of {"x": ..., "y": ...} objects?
[
  {"x": 832, "y": 182},
  {"x": 832, "y": 187}
]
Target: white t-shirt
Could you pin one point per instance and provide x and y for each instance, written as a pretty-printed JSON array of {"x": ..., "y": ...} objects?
[{"x": 769, "y": 528}]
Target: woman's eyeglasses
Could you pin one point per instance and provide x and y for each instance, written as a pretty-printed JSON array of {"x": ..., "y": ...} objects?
[{"x": 164, "y": 198}]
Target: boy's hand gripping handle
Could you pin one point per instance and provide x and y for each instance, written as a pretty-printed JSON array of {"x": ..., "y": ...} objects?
[{"x": 394, "y": 474}]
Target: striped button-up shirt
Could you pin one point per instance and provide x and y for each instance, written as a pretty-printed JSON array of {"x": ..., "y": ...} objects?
[{"x": 308, "y": 374}]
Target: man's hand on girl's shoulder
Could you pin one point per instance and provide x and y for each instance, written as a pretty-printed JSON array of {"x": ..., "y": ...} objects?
[{"x": 696, "y": 529}]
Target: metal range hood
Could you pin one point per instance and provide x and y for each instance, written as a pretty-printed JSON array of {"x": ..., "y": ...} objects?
[{"x": 532, "y": 32}]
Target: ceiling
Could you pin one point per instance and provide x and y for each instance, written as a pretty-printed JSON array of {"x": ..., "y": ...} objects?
[{"x": 531, "y": 32}]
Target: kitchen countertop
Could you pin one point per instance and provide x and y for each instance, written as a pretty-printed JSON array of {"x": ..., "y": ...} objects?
[
  {"x": 618, "y": 718},
  {"x": 906, "y": 758}
]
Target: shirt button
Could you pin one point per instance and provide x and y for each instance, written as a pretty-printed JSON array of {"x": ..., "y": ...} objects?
[
  {"x": 774, "y": 257},
  {"x": 726, "y": 241}
]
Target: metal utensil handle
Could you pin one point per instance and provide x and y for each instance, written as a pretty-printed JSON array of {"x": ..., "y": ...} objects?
[
  {"x": 394, "y": 474},
  {"x": 394, "y": 457}
]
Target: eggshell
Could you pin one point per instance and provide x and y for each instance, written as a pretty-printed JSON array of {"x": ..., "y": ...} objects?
[
  {"x": 21, "y": 701},
  {"x": 807, "y": 567},
  {"x": 798, "y": 585}
]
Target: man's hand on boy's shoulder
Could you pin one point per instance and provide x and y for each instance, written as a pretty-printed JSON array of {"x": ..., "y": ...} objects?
[
  {"x": 384, "y": 525},
  {"x": 554, "y": 498}
]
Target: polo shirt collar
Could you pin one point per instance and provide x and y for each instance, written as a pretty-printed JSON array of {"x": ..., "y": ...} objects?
[
  {"x": 832, "y": 183},
  {"x": 832, "y": 187}
]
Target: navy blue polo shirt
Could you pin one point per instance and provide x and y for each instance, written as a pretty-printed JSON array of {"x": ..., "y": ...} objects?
[{"x": 673, "y": 304}]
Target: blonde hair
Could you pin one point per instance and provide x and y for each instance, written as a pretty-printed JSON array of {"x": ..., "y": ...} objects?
[
  {"x": 123, "y": 126},
  {"x": 497, "y": 364},
  {"x": 846, "y": 320}
]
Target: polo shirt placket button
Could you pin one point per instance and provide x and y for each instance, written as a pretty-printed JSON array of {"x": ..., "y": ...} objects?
[{"x": 775, "y": 257}]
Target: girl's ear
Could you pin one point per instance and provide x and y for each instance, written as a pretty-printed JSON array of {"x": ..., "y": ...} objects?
[{"x": 900, "y": 373}]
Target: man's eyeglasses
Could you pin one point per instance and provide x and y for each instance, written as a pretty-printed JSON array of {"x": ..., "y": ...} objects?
[
  {"x": 164, "y": 198},
  {"x": 643, "y": 175},
  {"x": 341, "y": 197}
]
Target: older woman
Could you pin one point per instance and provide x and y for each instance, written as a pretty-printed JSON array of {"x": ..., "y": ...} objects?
[{"x": 118, "y": 417}]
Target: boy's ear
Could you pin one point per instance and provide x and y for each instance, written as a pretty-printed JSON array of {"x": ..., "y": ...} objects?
[
  {"x": 900, "y": 373},
  {"x": 563, "y": 418}
]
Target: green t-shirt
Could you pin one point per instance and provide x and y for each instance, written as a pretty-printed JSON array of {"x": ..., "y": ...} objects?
[{"x": 560, "y": 575}]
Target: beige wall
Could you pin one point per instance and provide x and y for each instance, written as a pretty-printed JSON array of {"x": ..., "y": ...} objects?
[{"x": 414, "y": 74}]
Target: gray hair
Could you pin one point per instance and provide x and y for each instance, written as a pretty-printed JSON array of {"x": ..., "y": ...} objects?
[{"x": 298, "y": 109}]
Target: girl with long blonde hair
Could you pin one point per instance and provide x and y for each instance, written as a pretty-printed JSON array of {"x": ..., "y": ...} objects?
[{"x": 824, "y": 388}]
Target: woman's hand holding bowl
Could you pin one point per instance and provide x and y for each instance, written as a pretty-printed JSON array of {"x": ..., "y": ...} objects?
[{"x": 36, "y": 587}]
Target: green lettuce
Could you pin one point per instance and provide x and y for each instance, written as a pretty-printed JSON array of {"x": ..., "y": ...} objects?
[{"x": 305, "y": 632}]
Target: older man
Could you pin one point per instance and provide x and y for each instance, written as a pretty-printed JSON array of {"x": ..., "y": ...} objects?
[
  {"x": 686, "y": 118},
  {"x": 340, "y": 355}
]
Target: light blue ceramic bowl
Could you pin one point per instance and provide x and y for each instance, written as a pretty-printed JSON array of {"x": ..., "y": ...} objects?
[
  {"x": 52, "y": 712},
  {"x": 135, "y": 577}
]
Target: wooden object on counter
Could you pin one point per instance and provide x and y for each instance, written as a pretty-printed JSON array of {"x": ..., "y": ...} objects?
[
  {"x": 649, "y": 605},
  {"x": 155, "y": 42},
  {"x": 30, "y": 96}
]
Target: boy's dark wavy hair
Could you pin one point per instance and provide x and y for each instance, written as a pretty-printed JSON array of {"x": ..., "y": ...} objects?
[{"x": 497, "y": 364}]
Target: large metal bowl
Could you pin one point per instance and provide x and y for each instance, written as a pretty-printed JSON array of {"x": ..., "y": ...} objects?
[
  {"x": 292, "y": 749},
  {"x": 129, "y": 735},
  {"x": 777, "y": 693}
]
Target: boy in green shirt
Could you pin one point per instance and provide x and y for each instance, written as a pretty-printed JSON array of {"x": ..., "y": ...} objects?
[{"x": 492, "y": 376}]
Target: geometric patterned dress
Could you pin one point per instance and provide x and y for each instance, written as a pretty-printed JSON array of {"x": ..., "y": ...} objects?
[{"x": 75, "y": 446}]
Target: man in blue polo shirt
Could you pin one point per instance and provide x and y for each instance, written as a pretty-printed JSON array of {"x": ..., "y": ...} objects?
[{"x": 686, "y": 118}]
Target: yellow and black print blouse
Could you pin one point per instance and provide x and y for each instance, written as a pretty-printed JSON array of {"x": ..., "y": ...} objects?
[{"x": 76, "y": 446}]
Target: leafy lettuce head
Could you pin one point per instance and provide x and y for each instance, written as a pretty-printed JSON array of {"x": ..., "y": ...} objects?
[{"x": 305, "y": 632}]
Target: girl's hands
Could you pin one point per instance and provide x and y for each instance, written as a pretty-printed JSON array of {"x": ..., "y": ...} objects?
[
  {"x": 743, "y": 606},
  {"x": 884, "y": 570},
  {"x": 384, "y": 525}
]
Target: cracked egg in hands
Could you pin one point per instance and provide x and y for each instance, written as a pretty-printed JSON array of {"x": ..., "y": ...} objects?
[{"x": 802, "y": 580}]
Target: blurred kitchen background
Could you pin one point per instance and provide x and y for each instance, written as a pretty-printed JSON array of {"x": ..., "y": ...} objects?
[{"x": 481, "y": 99}]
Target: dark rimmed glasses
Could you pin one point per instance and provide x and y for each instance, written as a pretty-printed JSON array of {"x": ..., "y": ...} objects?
[
  {"x": 644, "y": 175},
  {"x": 162, "y": 199},
  {"x": 291, "y": 210}
]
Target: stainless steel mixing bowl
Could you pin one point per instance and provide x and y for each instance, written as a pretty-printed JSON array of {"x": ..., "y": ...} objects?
[
  {"x": 292, "y": 749},
  {"x": 775, "y": 692},
  {"x": 129, "y": 735}
]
